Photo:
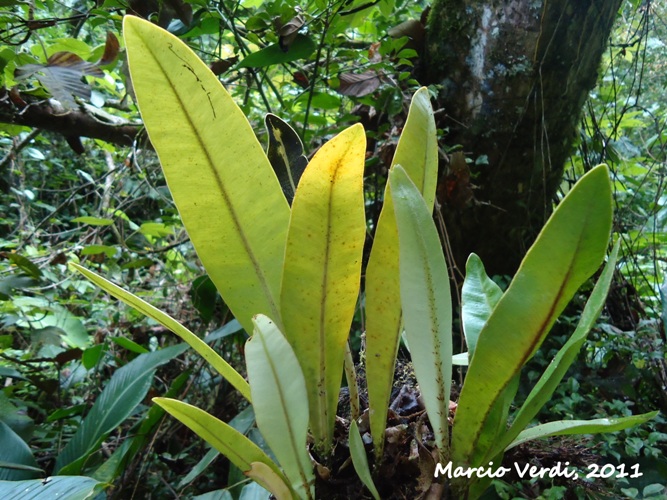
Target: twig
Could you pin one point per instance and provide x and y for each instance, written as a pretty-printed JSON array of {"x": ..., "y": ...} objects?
[{"x": 18, "y": 147}]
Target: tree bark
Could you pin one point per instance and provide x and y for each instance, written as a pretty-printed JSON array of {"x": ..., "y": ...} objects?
[
  {"x": 514, "y": 77},
  {"x": 22, "y": 109}
]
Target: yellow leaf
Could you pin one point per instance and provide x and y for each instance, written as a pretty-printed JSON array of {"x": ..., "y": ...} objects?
[{"x": 323, "y": 270}]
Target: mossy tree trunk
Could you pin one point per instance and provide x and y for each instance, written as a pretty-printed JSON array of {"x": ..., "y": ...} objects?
[{"x": 515, "y": 75}]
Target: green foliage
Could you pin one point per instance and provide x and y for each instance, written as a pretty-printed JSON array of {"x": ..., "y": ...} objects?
[
  {"x": 61, "y": 343},
  {"x": 74, "y": 487},
  {"x": 320, "y": 279},
  {"x": 125, "y": 390}
]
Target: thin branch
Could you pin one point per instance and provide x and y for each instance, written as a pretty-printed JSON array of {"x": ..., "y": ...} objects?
[{"x": 17, "y": 148}]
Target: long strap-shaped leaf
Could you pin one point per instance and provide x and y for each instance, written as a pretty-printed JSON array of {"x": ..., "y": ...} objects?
[
  {"x": 263, "y": 474},
  {"x": 323, "y": 270},
  {"x": 595, "y": 426},
  {"x": 546, "y": 385},
  {"x": 567, "y": 252},
  {"x": 280, "y": 402},
  {"x": 426, "y": 301},
  {"x": 231, "y": 443},
  {"x": 224, "y": 187},
  {"x": 215, "y": 360},
  {"x": 359, "y": 459},
  {"x": 417, "y": 153}
]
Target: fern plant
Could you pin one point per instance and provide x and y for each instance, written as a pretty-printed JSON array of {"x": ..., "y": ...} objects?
[{"x": 289, "y": 268}]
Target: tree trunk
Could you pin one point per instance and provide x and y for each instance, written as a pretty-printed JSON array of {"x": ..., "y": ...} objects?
[{"x": 514, "y": 77}]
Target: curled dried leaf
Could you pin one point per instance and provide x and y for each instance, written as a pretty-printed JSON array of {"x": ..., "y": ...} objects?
[
  {"x": 62, "y": 76},
  {"x": 220, "y": 66},
  {"x": 289, "y": 30},
  {"x": 111, "y": 48},
  {"x": 358, "y": 85},
  {"x": 292, "y": 26}
]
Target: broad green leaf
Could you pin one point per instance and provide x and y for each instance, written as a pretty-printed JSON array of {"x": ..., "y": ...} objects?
[
  {"x": 128, "y": 344},
  {"x": 546, "y": 385},
  {"x": 417, "y": 153},
  {"x": 63, "y": 325},
  {"x": 359, "y": 459},
  {"x": 127, "y": 388},
  {"x": 228, "y": 196},
  {"x": 567, "y": 427},
  {"x": 263, "y": 474},
  {"x": 23, "y": 263},
  {"x": 17, "y": 462},
  {"x": 479, "y": 296},
  {"x": 495, "y": 424},
  {"x": 11, "y": 414},
  {"x": 231, "y": 443},
  {"x": 568, "y": 251},
  {"x": 426, "y": 301},
  {"x": 285, "y": 152},
  {"x": 135, "y": 444},
  {"x": 206, "y": 352},
  {"x": 280, "y": 402},
  {"x": 115, "y": 464},
  {"x": 98, "y": 249},
  {"x": 93, "y": 221},
  {"x": 69, "y": 487},
  {"x": 300, "y": 48},
  {"x": 323, "y": 270}
]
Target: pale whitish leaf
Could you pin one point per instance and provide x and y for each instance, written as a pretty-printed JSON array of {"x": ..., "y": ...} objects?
[
  {"x": 479, "y": 296},
  {"x": 417, "y": 152},
  {"x": 215, "y": 495},
  {"x": 426, "y": 301},
  {"x": 280, "y": 401},
  {"x": 460, "y": 359}
]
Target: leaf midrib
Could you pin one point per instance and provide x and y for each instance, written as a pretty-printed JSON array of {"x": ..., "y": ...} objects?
[{"x": 259, "y": 272}]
